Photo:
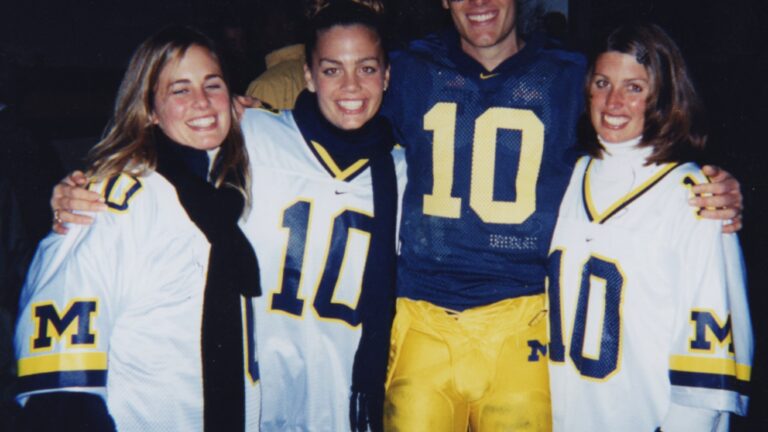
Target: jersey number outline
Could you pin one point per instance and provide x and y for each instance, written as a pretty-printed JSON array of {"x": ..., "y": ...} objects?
[
  {"x": 441, "y": 120},
  {"x": 607, "y": 362},
  {"x": 296, "y": 219}
]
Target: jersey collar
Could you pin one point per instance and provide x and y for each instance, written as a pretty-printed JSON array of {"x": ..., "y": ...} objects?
[
  {"x": 471, "y": 67},
  {"x": 590, "y": 209}
]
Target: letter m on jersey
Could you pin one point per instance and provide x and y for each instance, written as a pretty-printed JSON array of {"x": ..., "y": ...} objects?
[
  {"x": 74, "y": 323},
  {"x": 538, "y": 350},
  {"x": 708, "y": 328}
]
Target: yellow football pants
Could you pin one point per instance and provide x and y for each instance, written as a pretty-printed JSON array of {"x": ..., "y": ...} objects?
[{"x": 483, "y": 369}]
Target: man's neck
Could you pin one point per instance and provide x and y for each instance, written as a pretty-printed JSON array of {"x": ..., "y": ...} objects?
[{"x": 492, "y": 56}]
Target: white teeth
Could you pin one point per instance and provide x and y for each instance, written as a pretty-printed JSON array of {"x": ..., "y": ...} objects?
[
  {"x": 202, "y": 122},
  {"x": 481, "y": 18},
  {"x": 351, "y": 105},
  {"x": 615, "y": 120}
]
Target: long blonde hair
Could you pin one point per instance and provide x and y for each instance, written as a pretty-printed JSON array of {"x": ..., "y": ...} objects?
[{"x": 129, "y": 144}]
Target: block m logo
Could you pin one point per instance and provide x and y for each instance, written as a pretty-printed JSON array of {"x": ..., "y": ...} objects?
[
  {"x": 708, "y": 328},
  {"x": 74, "y": 323}
]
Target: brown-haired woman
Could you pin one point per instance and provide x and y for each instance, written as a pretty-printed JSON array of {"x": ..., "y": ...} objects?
[
  {"x": 135, "y": 322},
  {"x": 649, "y": 323}
]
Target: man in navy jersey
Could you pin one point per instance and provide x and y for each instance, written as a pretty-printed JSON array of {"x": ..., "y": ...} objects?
[{"x": 488, "y": 121}]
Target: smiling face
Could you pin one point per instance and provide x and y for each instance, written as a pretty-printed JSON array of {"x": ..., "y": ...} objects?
[
  {"x": 618, "y": 94},
  {"x": 349, "y": 75},
  {"x": 487, "y": 27},
  {"x": 191, "y": 100}
]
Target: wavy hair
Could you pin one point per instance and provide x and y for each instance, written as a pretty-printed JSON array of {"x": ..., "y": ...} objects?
[
  {"x": 673, "y": 124},
  {"x": 129, "y": 145}
]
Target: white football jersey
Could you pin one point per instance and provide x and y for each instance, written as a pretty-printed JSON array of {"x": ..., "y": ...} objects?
[
  {"x": 115, "y": 309},
  {"x": 310, "y": 225},
  {"x": 647, "y": 307}
]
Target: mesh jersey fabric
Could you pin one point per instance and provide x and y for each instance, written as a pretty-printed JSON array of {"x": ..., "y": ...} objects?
[{"x": 489, "y": 156}]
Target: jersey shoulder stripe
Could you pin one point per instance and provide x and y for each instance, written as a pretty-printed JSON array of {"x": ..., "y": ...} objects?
[{"x": 118, "y": 191}]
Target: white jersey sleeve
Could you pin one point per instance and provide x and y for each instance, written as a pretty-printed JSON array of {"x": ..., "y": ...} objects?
[
  {"x": 69, "y": 301},
  {"x": 710, "y": 359}
]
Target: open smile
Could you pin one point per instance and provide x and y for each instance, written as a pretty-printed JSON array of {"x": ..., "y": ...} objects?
[
  {"x": 615, "y": 122},
  {"x": 482, "y": 18},
  {"x": 351, "y": 106},
  {"x": 203, "y": 123}
]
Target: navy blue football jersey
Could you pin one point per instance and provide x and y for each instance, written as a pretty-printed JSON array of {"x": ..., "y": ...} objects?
[{"x": 489, "y": 156}]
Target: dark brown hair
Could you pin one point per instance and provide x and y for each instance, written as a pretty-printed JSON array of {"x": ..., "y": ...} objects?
[
  {"x": 673, "y": 114},
  {"x": 345, "y": 13}
]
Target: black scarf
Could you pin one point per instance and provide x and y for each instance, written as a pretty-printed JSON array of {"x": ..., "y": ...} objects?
[
  {"x": 232, "y": 272},
  {"x": 373, "y": 141}
]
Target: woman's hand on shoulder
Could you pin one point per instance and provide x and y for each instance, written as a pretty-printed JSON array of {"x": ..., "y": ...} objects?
[
  {"x": 242, "y": 102},
  {"x": 70, "y": 195}
]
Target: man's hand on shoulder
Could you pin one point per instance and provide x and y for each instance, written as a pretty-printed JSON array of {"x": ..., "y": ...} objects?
[{"x": 721, "y": 199}]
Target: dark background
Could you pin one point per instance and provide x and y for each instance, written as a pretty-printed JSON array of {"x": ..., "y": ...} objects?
[{"x": 62, "y": 62}]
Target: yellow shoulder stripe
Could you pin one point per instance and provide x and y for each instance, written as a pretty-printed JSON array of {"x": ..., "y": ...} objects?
[
  {"x": 718, "y": 366},
  {"x": 118, "y": 191},
  {"x": 62, "y": 363}
]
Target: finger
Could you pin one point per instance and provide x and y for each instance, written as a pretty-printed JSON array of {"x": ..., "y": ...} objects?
[
  {"x": 241, "y": 103},
  {"x": 720, "y": 213},
  {"x": 247, "y": 101},
  {"x": 726, "y": 186},
  {"x": 66, "y": 191},
  {"x": 62, "y": 194},
  {"x": 76, "y": 178},
  {"x": 734, "y": 226},
  {"x": 79, "y": 178},
  {"x": 75, "y": 218},
  {"x": 59, "y": 228},
  {"x": 711, "y": 170},
  {"x": 80, "y": 204},
  {"x": 239, "y": 110},
  {"x": 79, "y": 193},
  {"x": 731, "y": 201},
  {"x": 58, "y": 224}
]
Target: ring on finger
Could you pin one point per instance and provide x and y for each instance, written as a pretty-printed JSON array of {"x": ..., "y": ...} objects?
[{"x": 57, "y": 217}]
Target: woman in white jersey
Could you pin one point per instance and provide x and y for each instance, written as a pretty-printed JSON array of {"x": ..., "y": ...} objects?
[
  {"x": 649, "y": 324},
  {"x": 134, "y": 322},
  {"x": 326, "y": 180}
]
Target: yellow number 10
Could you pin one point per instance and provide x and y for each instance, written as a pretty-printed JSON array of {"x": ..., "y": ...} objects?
[{"x": 441, "y": 120}]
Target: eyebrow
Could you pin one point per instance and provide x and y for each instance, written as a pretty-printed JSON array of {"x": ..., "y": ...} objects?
[
  {"x": 596, "y": 74},
  {"x": 337, "y": 62},
  {"x": 188, "y": 81}
]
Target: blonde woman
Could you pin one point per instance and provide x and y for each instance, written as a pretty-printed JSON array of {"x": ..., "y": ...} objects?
[{"x": 135, "y": 322}]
